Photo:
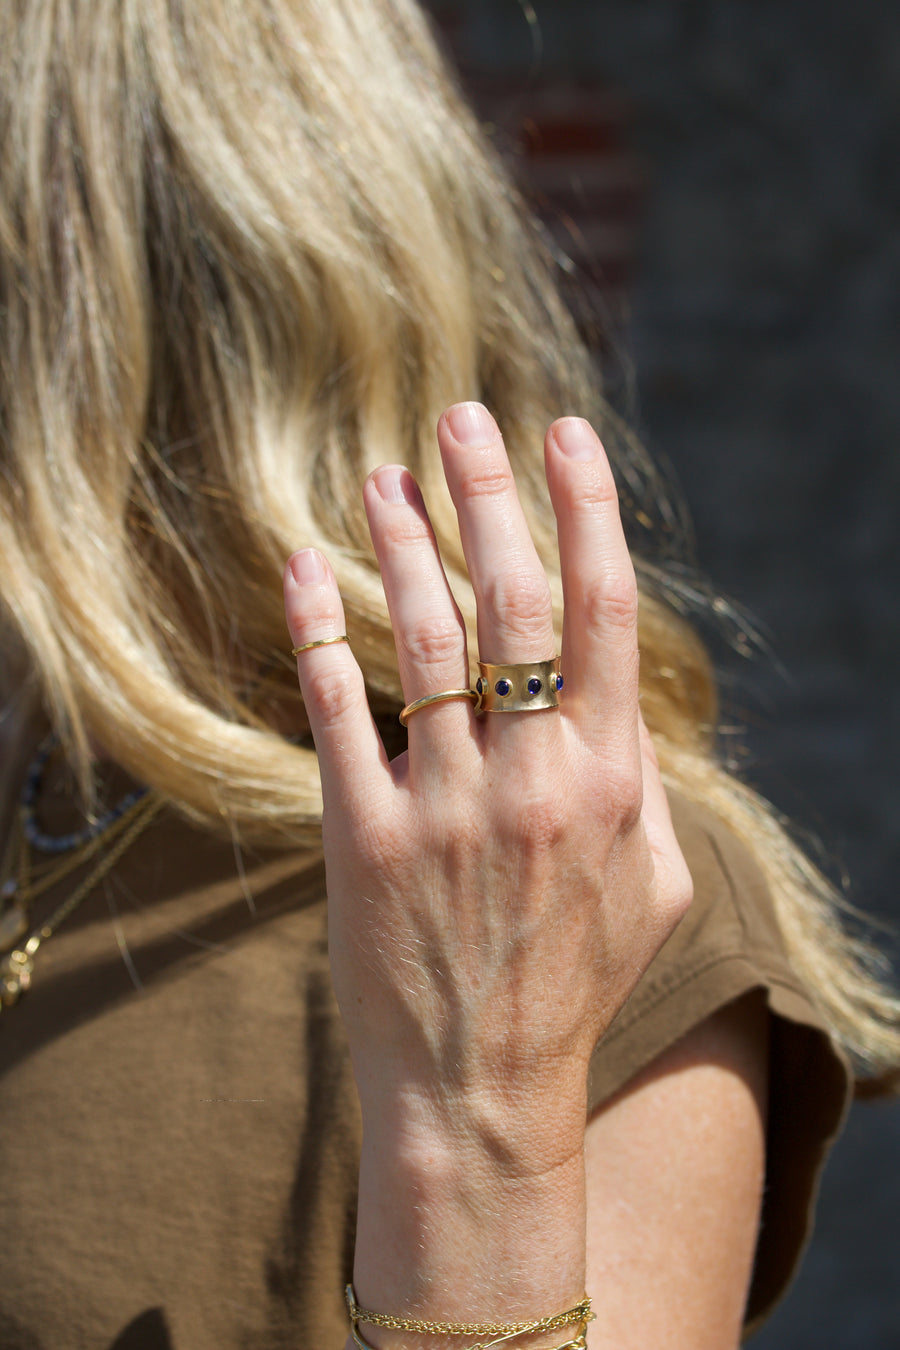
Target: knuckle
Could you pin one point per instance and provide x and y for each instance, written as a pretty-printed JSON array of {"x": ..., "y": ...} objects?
[
  {"x": 535, "y": 822},
  {"x": 492, "y": 478},
  {"x": 377, "y": 843},
  {"x": 432, "y": 642},
  {"x": 680, "y": 892},
  {"x": 312, "y": 617},
  {"x": 333, "y": 694},
  {"x": 458, "y": 843},
  {"x": 675, "y": 891},
  {"x": 518, "y": 601},
  {"x": 402, "y": 528},
  {"x": 594, "y": 496},
  {"x": 625, "y": 789},
  {"x": 612, "y": 601}
]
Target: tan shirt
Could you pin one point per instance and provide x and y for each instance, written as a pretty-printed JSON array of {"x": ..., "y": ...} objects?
[{"x": 179, "y": 1129}]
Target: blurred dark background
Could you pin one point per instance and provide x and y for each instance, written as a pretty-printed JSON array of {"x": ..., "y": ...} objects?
[{"x": 725, "y": 175}]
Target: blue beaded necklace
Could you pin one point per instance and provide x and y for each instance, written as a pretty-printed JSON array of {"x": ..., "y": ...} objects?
[
  {"x": 63, "y": 843},
  {"x": 108, "y": 836}
]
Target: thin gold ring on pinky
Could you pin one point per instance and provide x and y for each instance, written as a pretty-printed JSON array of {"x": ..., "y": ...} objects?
[
  {"x": 529, "y": 686},
  {"x": 426, "y": 702},
  {"x": 319, "y": 642}
]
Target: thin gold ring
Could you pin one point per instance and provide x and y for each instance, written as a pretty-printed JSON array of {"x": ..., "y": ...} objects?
[
  {"x": 425, "y": 702},
  {"x": 319, "y": 642}
]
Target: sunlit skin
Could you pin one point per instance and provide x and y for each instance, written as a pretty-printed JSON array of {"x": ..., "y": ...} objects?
[{"x": 495, "y": 894}]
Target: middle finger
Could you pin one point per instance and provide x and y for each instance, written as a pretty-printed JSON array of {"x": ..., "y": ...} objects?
[{"x": 515, "y": 617}]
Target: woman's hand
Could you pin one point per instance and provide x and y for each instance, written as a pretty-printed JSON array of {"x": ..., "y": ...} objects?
[{"x": 496, "y": 892}]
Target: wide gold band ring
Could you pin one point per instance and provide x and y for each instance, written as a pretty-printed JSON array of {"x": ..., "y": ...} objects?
[
  {"x": 529, "y": 686},
  {"x": 442, "y": 697},
  {"x": 319, "y": 642}
]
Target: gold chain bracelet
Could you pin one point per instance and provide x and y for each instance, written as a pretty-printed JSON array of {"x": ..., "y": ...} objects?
[
  {"x": 580, "y": 1313},
  {"x": 578, "y": 1343}
]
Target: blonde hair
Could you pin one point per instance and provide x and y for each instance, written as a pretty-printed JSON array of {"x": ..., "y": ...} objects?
[{"x": 248, "y": 251}]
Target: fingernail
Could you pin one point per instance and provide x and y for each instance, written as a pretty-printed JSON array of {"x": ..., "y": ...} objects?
[
  {"x": 396, "y": 484},
  {"x": 307, "y": 567},
  {"x": 471, "y": 423},
  {"x": 576, "y": 438}
]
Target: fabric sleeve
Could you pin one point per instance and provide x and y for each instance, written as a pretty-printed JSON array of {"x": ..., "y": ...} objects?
[{"x": 728, "y": 944}]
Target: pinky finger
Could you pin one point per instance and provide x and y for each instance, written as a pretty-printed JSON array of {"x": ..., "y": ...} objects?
[{"x": 352, "y": 761}]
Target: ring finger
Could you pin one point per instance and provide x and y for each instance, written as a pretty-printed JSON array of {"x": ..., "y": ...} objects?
[{"x": 428, "y": 628}]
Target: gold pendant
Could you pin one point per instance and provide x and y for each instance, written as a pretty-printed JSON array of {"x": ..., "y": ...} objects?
[{"x": 15, "y": 977}]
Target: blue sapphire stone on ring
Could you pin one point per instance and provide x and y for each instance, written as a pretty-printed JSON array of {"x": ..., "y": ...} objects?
[{"x": 526, "y": 686}]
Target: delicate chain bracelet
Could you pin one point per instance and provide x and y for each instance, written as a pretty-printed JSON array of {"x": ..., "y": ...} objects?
[
  {"x": 579, "y": 1343},
  {"x": 499, "y": 1331}
]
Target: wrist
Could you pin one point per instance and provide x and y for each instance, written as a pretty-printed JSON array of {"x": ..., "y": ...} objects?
[
  {"x": 511, "y": 1130},
  {"x": 465, "y": 1223}
]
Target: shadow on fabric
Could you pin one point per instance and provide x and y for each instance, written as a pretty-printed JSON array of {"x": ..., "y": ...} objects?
[{"x": 147, "y": 1332}]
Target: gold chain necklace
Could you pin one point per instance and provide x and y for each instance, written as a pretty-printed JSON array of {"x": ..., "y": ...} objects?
[{"x": 19, "y": 894}]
